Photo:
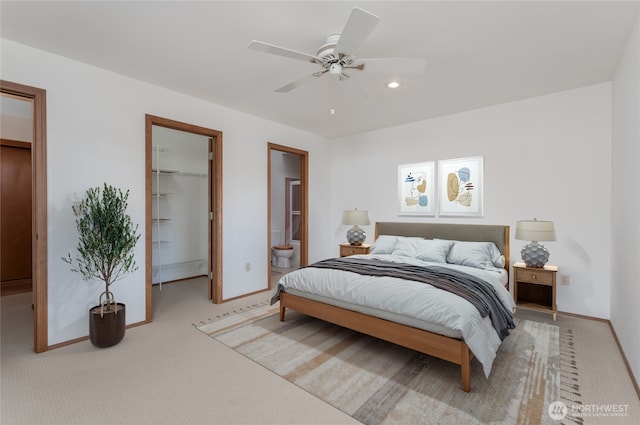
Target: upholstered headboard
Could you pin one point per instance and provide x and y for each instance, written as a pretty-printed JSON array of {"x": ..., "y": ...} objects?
[{"x": 461, "y": 232}]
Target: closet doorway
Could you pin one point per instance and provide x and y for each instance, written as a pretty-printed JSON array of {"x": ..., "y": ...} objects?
[
  {"x": 183, "y": 197},
  {"x": 36, "y": 196},
  {"x": 288, "y": 210}
]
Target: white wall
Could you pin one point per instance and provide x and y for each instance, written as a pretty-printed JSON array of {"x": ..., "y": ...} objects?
[
  {"x": 16, "y": 122},
  {"x": 546, "y": 157},
  {"x": 95, "y": 133},
  {"x": 625, "y": 289}
]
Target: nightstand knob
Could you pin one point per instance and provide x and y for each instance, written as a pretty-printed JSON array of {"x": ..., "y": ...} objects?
[{"x": 533, "y": 276}]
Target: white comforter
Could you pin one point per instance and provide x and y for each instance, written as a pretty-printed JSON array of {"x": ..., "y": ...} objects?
[{"x": 407, "y": 302}]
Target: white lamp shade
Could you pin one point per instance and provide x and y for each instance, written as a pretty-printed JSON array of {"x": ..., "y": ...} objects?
[
  {"x": 535, "y": 230},
  {"x": 355, "y": 217}
]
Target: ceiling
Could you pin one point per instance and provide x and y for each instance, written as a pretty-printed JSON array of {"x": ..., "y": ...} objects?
[{"x": 479, "y": 53}]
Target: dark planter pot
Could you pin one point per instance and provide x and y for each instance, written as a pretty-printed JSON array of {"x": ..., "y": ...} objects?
[{"x": 107, "y": 328}]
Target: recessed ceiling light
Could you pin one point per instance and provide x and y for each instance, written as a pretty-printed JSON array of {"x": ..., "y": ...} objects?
[
  {"x": 332, "y": 111},
  {"x": 393, "y": 85}
]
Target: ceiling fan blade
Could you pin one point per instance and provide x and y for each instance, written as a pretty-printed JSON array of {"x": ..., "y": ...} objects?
[
  {"x": 395, "y": 65},
  {"x": 356, "y": 31},
  {"x": 298, "y": 83},
  {"x": 277, "y": 50}
]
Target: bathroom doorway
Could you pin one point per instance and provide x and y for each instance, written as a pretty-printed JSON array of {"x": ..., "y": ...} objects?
[{"x": 288, "y": 210}]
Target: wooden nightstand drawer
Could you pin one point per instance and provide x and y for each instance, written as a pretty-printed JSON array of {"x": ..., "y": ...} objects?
[
  {"x": 541, "y": 277},
  {"x": 348, "y": 249}
]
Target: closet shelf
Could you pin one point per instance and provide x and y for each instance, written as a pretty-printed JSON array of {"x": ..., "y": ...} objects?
[
  {"x": 164, "y": 171},
  {"x": 192, "y": 174},
  {"x": 179, "y": 173}
]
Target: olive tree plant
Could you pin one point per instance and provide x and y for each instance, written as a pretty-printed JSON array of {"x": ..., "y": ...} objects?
[{"x": 107, "y": 238}]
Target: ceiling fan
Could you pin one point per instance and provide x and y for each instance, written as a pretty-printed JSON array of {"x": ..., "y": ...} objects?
[{"x": 338, "y": 55}]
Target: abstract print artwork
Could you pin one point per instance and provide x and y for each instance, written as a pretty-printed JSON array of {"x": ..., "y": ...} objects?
[
  {"x": 461, "y": 186},
  {"x": 417, "y": 188}
]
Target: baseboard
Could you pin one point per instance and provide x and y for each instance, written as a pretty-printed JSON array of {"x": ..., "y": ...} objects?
[
  {"x": 66, "y": 343},
  {"x": 624, "y": 358},
  {"x": 86, "y": 338},
  {"x": 245, "y": 295},
  {"x": 582, "y": 316}
]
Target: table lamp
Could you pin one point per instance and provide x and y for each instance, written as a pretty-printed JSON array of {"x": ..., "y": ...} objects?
[
  {"x": 535, "y": 254},
  {"x": 355, "y": 218}
]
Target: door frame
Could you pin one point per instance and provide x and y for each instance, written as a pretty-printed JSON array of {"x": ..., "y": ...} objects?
[
  {"x": 215, "y": 206},
  {"x": 39, "y": 206},
  {"x": 304, "y": 202}
]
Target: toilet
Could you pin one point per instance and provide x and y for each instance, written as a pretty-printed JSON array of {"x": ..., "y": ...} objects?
[{"x": 280, "y": 254}]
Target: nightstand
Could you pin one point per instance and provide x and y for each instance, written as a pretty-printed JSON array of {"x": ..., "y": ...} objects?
[
  {"x": 535, "y": 288},
  {"x": 347, "y": 249}
]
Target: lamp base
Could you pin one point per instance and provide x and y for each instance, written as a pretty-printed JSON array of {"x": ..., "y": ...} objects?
[
  {"x": 356, "y": 235},
  {"x": 535, "y": 255}
]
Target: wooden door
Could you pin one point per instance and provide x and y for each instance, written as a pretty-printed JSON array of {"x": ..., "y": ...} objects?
[{"x": 15, "y": 217}]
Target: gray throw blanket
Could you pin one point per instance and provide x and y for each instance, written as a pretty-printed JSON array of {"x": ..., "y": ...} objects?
[{"x": 473, "y": 289}]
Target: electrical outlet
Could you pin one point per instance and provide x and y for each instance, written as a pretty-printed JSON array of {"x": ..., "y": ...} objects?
[
  {"x": 247, "y": 266},
  {"x": 565, "y": 279}
]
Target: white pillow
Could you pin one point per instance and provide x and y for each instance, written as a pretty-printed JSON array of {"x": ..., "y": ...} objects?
[
  {"x": 432, "y": 250},
  {"x": 482, "y": 255},
  {"x": 406, "y": 246},
  {"x": 384, "y": 244}
]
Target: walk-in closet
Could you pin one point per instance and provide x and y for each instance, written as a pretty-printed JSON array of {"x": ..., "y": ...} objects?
[{"x": 180, "y": 211}]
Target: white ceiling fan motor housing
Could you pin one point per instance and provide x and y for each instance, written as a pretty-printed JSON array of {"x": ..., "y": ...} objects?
[{"x": 326, "y": 52}]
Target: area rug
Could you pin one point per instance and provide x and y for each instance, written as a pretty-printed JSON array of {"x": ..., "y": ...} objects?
[{"x": 377, "y": 382}]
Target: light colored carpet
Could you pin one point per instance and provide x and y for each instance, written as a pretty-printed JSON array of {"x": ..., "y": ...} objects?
[
  {"x": 377, "y": 382},
  {"x": 593, "y": 375},
  {"x": 167, "y": 372}
]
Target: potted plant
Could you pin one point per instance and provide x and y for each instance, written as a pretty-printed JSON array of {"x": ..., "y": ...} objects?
[{"x": 107, "y": 239}]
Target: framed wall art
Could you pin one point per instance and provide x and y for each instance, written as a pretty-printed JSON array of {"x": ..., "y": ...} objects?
[
  {"x": 417, "y": 189},
  {"x": 460, "y": 184}
]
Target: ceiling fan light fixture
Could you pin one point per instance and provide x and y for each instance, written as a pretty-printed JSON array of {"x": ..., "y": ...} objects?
[
  {"x": 335, "y": 69},
  {"x": 393, "y": 84}
]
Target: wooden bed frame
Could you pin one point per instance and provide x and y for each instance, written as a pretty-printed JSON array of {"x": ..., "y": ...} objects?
[{"x": 442, "y": 347}]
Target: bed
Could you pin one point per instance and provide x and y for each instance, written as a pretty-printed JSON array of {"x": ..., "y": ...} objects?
[{"x": 415, "y": 314}]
